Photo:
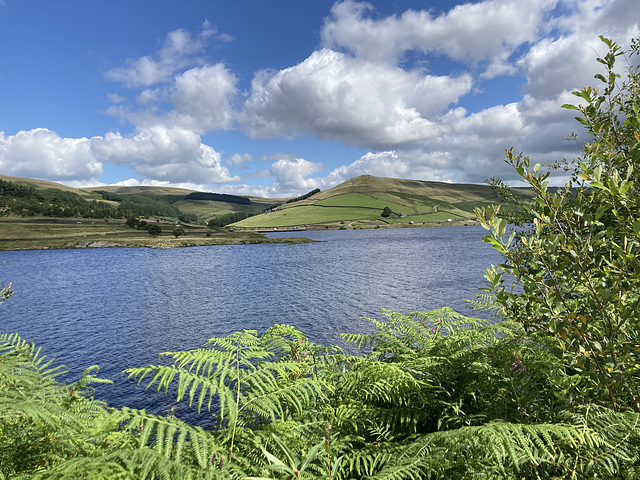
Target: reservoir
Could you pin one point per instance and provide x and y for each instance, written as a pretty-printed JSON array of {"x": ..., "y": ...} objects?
[{"x": 121, "y": 307}]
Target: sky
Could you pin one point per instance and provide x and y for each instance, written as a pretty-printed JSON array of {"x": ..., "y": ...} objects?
[{"x": 277, "y": 98}]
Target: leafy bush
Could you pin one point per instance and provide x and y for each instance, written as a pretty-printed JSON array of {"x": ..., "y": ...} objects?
[
  {"x": 577, "y": 270},
  {"x": 154, "y": 229}
]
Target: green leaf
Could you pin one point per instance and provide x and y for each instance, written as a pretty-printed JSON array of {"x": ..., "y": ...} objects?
[
  {"x": 601, "y": 211},
  {"x": 495, "y": 243}
]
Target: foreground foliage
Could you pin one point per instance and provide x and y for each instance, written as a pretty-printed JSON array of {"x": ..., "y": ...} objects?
[
  {"x": 437, "y": 395},
  {"x": 550, "y": 390},
  {"x": 577, "y": 271}
]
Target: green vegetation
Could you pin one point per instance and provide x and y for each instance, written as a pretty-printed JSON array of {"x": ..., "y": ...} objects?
[
  {"x": 227, "y": 219},
  {"x": 44, "y": 233},
  {"x": 579, "y": 266},
  {"x": 549, "y": 391},
  {"x": 304, "y": 197},
  {"x": 28, "y": 201},
  {"x": 218, "y": 197},
  {"x": 35, "y": 214},
  {"x": 361, "y": 200}
]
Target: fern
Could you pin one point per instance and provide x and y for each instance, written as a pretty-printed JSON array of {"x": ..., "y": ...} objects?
[
  {"x": 253, "y": 379},
  {"x": 435, "y": 395}
]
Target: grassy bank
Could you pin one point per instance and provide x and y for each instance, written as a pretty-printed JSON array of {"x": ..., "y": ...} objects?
[{"x": 17, "y": 233}]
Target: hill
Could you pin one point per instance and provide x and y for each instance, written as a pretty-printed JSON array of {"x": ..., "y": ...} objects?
[
  {"x": 191, "y": 203},
  {"x": 26, "y": 197},
  {"x": 361, "y": 201},
  {"x": 36, "y": 214}
]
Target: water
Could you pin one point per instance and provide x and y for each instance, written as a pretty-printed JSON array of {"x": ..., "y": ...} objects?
[{"x": 120, "y": 308}]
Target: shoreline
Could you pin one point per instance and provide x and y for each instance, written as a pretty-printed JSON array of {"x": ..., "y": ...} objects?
[
  {"x": 161, "y": 244},
  {"x": 45, "y": 234}
]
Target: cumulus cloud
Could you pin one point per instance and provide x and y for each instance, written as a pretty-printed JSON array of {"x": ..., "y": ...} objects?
[
  {"x": 158, "y": 153},
  {"x": 41, "y": 153},
  {"x": 334, "y": 96},
  {"x": 239, "y": 159},
  {"x": 372, "y": 83},
  {"x": 178, "y": 51},
  {"x": 380, "y": 164},
  {"x": 164, "y": 154},
  {"x": 203, "y": 97},
  {"x": 473, "y": 32},
  {"x": 292, "y": 176},
  {"x": 200, "y": 99}
]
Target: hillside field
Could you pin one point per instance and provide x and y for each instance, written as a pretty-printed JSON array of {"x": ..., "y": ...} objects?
[{"x": 360, "y": 201}]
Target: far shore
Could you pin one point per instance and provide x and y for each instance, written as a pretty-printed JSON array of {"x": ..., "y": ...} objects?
[
  {"x": 349, "y": 226},
  {"x": 17, "y": 233}
]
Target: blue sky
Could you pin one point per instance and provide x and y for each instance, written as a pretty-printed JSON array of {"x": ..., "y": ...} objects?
[{"x": 278, "y": 98}]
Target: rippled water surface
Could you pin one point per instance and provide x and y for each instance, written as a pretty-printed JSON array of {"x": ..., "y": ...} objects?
[{"x": 119, "y": 308}]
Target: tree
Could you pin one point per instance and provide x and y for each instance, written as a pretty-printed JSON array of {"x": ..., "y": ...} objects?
[
  {"x": 178, "y": 231},
  {"x": 154, "y": 230},
  {"x": 576, "y": 272},
  {"x": 386, "y": 212}
]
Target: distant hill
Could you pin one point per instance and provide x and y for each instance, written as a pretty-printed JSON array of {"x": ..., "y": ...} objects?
[
  {"x": 44, "y": 184},
  {"x": 358, "y": 202},
  {"x": 190, "y": 206},
  {"x": 361, "y": 201},
  {"x": 143, "y": 190}
]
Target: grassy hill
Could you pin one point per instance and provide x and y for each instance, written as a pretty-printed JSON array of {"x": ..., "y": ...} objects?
[
  {"x": 85, "y": 193},
  {"x": 205, "y": 210},
  {"x": 356, "y": 203},
  {"x": 36, "y": 214},
  {"x": 359, "y": 202}
]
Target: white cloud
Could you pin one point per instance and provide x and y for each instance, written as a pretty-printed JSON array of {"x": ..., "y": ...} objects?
[
  {"x": 472, "y": 32},
  {"x": 203, "y": 97},
  {"x": 200, "y": 99},
  {"x": 292, "y": 176},
  {"x": 164, "y": 154},
  {"x": 334, "y": 96},
  {"x": 115, "y": 98},
  {"x": 566, "y": 63},
  {"x": 41, "y": 153},
  {"x": 359, "y": 88},
  {"x": 157, "y": 153},
  {"x": 178, "y": 51},
  {"x": 239, "y": 159},
  {"x": 380, "y": 164}
]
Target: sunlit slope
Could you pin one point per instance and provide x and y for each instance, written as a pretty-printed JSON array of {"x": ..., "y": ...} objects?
[
  {"x": 204, "y": 209},
  {"x": 85, "y": 193},
  {"x": 361, "y": 200}
]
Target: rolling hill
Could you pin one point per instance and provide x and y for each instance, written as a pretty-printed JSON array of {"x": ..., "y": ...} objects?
[
  {"x": 178, "y": 201},
  {"x": 360, "y": 201}
]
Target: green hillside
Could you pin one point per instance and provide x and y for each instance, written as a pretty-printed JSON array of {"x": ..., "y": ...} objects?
[
  {"x": 357, "y": 203},
  {"x": 36, "y": 214},
  {"x": 193, "y": 205},
  {"x": 360, "y": 201},
  {"x": 37, "y": 197}
]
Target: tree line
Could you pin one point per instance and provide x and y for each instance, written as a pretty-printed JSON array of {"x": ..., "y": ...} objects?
[{"x": 27, "y": 201}]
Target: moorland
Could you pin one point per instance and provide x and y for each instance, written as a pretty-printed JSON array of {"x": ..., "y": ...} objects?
[{"x": 38, "y": 214}]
